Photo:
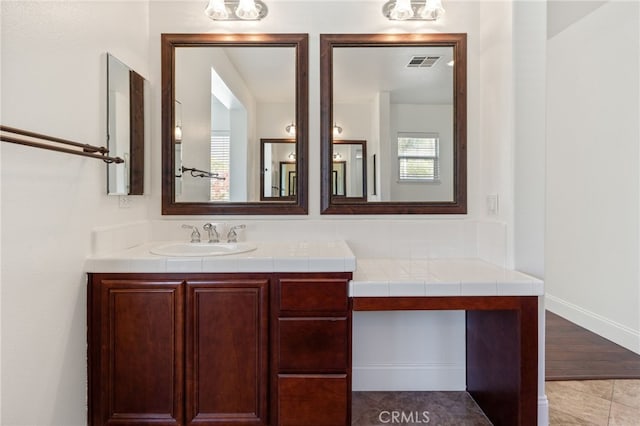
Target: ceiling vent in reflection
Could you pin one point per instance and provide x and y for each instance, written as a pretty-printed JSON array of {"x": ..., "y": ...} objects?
[{"x": 423, "y": 61}]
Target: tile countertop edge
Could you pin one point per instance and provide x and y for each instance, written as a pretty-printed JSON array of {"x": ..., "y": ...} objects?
[
  {"x": 440, "y": 278},
  {"x": 304, "y": 256}
]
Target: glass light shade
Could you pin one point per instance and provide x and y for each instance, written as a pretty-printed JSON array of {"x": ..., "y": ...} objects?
[
  {"x": 337, "y": 130},
  {"x": 401, "y": 11},
  {"x": 178, "y": 133},
  {"x": 432, "y": 10},
  {"x": 216, "y": 9},
  {"x": 291, "y": 129},
  {"x": 247, "y": 9}
]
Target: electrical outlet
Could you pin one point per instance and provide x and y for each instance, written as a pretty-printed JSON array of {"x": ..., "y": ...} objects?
[{"x": 124, "y": 202}]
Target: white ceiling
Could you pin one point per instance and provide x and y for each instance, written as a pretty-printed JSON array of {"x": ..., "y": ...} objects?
[
  {"x": 359, "y": 73},
  {"x": 269, "y": 72}
]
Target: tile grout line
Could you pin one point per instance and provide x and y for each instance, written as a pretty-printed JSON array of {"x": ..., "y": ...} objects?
[{"x": 613, "y": 392}]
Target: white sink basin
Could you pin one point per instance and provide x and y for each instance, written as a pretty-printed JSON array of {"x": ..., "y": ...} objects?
[{"x": 202, "y": 249}]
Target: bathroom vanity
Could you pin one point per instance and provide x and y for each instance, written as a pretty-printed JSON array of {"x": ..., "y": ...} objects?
[
  {"x": 264, "y": 337},
  {"x": 212, "y": 345}
]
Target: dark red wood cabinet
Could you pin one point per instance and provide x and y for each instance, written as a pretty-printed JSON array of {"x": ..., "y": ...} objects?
[
  {"x": 311, "y": 329},
  {"x": 219, "y": 349}
]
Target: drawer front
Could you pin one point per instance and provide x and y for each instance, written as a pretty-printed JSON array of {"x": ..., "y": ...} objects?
[
  {"x": 313, "y": 345},
  {"x": 313, "y": 400},
  {"x": 314, "y": 295}
]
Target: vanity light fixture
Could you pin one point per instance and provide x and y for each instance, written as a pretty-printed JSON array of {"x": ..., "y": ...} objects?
[
  {"x": 178, "y": 127},
  {"x": 290, "y": 129},
  {"x": 337, "y": 156},
  {"x": 337, "y": 130},
  {"x": 236, "y": 10},
  {"x": 292, "y": 156},
  {"x": 415, "y": 10}
]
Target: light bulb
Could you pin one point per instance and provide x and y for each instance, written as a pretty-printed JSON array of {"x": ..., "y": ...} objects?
[
  {"x": 247, "y": 9},
  {"x": 432, "y": 10},
  {"x": 216, "y": 10},
  {"x": 401, "y": 11}
]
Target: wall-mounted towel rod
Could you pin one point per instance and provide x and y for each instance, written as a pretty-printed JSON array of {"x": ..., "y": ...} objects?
[
  {"x": 91, "y": 151},
  {"x": 200, "y": 173}
]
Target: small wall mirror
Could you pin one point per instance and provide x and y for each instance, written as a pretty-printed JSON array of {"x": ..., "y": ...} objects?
[
  {"x": 405, "y": 94},
  {"x": 349, "y": 171},
  {"x": 125, "y": 128},
  {"x": 234, "y": 128},
  {"x": 278, "y": 177}
]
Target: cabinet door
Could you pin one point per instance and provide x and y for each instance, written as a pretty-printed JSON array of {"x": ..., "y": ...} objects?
[
  {"x": 227, "y": 358},
  {"x": 314, "y": 400},
  {"x": 135, "y": 351}
]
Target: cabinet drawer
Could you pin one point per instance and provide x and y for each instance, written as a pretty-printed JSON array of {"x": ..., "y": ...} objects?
[
  {"x": 313, "y": 345},
  {"x": 313, "y": 400},
  {"x": 314, "y": 295}
]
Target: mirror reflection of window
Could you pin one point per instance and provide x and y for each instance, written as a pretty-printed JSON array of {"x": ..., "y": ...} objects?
[{"x": 418, "y": 157}]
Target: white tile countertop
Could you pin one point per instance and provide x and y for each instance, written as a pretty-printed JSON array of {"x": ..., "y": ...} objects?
[
  {"x": 300, "y": 256},
  {"x": 373, "y": 277},
  {"x": 439, "y": 277}
]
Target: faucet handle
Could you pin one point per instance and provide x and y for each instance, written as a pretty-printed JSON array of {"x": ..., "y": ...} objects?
[
  {"x": 232, "y": 236},
  {"x": 214, "y": 237},
  {"x": 195, "y": 234}
]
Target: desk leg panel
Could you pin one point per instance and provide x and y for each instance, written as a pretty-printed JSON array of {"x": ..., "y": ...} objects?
[{"x": 502, "y": 363}]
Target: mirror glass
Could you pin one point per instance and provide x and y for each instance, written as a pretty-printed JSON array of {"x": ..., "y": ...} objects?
[
  {"x": 224, "y": 95},
  {"x": 349, "y": 171},
  {"x": 405, "y": 94},
  {"x": 126, "y": 111},
  {"x": 278, "y": 169}
]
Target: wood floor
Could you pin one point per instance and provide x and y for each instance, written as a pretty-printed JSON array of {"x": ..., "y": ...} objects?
[{"x": 573, "y": 353}]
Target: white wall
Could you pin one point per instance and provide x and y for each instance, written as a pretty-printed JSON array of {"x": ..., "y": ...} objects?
[
  {"x": 54, "y": 82},
  {"x": 593, "y": 187}
]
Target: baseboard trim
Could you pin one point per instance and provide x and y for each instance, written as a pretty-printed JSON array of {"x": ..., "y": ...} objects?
[
  {"x": 610, "y": 330},
  {"x": 397, "y": 378},
  {"x": 543, "y": 411}
]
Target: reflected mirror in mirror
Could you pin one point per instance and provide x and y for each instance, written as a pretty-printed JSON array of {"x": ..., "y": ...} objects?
[
  {"x": 406, "y": 95},
  {"x": 349, "y": 171},
  {"x": 278, "y": 165},
  {"x": 126, "y": 111},
  {"x": 224, "y": 95}
]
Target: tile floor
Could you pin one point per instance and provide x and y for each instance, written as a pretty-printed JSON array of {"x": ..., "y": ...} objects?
[
  {"x": 585, "y": 403},
  {"x": 594, "y": 402},
  {"x": 416, "y": 408}
]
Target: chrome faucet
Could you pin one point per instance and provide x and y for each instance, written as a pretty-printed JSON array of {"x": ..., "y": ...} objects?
[
  {"x": 195, "y": 234},
  {"x": 214, "y": 237},
  {"x": 232, "y": 236}
]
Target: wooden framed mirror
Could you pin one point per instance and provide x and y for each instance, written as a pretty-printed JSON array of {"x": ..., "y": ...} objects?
[
  {"x": 127, "y": 114},
  {"x": 406, "y": 95},
  {"x": 349, "y": 171},
  {"x": 278, "y": 173},
  {"x": 221, "y": 95}
]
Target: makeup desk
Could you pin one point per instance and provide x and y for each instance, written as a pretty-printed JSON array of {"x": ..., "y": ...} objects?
[{"x": 501, "y": 322}]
